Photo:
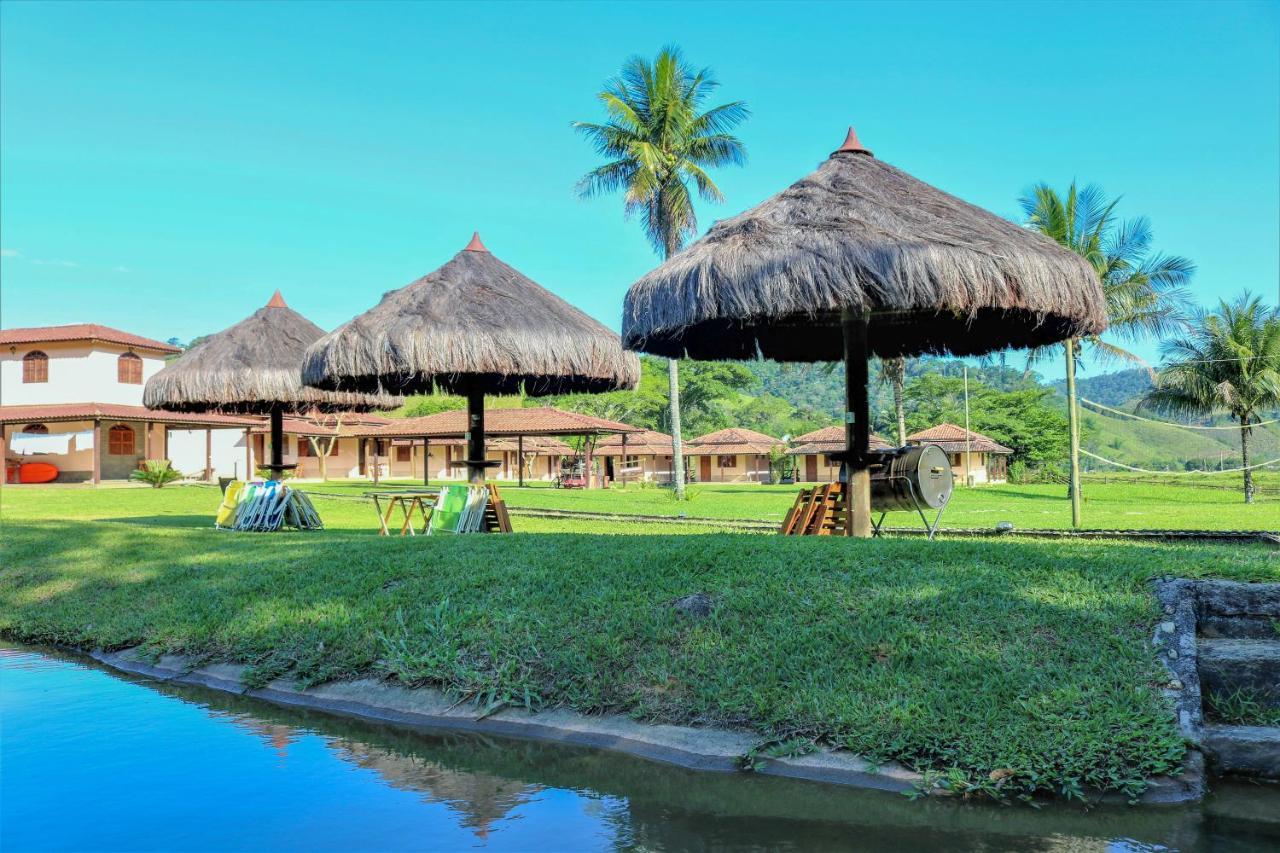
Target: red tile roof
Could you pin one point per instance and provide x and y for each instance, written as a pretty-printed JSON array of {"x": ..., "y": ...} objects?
[
  {"x": 326, "y": 424},
  {"x": 646, "y": 442},
  {"x": 82, "y": 332},
  {"x": 498, "y": 422},
  {"x": 829, "y": 440},
  {"x": 951, "y": 438},
  {"x": 732, "y": 440},
  {"x": 114, "y": 411}
]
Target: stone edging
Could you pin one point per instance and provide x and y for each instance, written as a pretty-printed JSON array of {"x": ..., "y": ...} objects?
[{"x": 693, "y": 748}]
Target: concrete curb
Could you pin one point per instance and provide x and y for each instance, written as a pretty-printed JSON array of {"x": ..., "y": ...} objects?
[
  {"x": 693, "y": 748},
  {"x": 718, "y": 750}
]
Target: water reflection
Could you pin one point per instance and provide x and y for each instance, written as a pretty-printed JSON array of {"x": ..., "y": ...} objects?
[{"x": 304, "y": 780}]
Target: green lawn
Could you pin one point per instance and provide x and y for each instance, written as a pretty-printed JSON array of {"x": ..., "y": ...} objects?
[
  {"x": 960, "y": 656},
  {"x": 1122, "y": 504}
]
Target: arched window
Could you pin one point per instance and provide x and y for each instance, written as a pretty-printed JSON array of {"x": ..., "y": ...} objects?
[
  {"x": 120, "y": 441},
  {"x": 35, "y": 367},
  {"x": 129, "y": 369},
  {"x": 36, "y": 429}
]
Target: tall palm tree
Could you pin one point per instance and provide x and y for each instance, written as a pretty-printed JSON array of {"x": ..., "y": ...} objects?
[
  {"x": 893, "y": 372},
  {"x": 658, "y": 142},
  {"x": 1143, "y": 289},
  {"x": 1229, "y": 362}
]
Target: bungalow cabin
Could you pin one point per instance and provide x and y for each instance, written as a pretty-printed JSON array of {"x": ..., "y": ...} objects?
[
  {"x": 733, "y": 455},
  {"x": 648, "y": 457},
  {"x": 989, "y": 460},
  {"x": 537, "y": 433},
  {"x": 71, "y": 397},
  {"x": 812, "y": 453}
]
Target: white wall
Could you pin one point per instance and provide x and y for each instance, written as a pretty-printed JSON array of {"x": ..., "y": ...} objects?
[
  {"x": 78, "y": 373},
  {"x": 187, "y": 452}
]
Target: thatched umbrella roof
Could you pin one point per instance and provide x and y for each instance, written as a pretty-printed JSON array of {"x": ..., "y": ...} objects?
[
  {"x": 937, "y": 274},
  {"x": 474, "y": 324},
  {"x": 254, "y": 367}
]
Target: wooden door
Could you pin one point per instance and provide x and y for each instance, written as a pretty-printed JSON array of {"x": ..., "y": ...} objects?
[
  {"x": 704, "y": 469},
  {"x": 811, "y": 468}
]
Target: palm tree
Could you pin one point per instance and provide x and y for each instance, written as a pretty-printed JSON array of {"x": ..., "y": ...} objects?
[
  {"x": 893, "y": 372},
  {"x": 658, "y": 142},
  {"x": 1144, "y": 290},
  {"x": 1229, "y": 362}
]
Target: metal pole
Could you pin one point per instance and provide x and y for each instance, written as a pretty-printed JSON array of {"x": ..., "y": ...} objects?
[
  {"x": 968, "y": 455},
  {"x": 475, "y": 437},
  {"x": 857, "y": 426},
  {"x": 1073, "y": 428}
]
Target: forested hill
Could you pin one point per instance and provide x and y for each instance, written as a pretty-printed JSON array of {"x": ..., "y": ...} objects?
[{"x": 1111, "y": 389}]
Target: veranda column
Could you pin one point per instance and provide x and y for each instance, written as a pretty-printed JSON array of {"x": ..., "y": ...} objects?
[{"x": 97, "y": 452}]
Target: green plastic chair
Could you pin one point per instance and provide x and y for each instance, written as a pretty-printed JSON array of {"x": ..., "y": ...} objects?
[{"x": 449, "y": 510}]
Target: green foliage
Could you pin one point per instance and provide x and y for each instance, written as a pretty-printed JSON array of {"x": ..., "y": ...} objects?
[
  {"x": 156, "y": 473},
  {"x": 1023, "y": 420},
  {"x": 1241, "y": 707}
]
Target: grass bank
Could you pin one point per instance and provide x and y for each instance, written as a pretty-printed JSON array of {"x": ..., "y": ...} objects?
[{"x": 1019, "y": 665}]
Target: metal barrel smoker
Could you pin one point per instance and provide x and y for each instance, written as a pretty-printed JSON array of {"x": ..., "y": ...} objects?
[{"x": 915, "y": 478}]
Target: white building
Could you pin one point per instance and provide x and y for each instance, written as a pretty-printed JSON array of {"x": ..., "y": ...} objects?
[{"x": 71, "y": 398}]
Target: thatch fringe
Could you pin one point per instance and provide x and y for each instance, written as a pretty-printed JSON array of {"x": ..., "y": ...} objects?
[
  {"x": 474, "y": 323},
  {"x": 937, "y": 273},
  {"x": 252, "y": 368}
]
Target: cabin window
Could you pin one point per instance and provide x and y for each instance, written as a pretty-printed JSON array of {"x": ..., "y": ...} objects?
[
  {"x": 828, "y": 461},
  {"x": 727, "y": 461},
  {"x": 36, "y": 429},
  {"x": 129, "y": 369},
  {"x": 304, "y": 447},
  {"x": 404, "y": 453},
  {"x": 120, "y": 440},
  {"x": 35, "y": 367},
  {"x": 631, "y": 462}
]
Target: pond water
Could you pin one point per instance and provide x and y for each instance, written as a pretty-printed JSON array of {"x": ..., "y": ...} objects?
[{"x": 93, "y": 760}]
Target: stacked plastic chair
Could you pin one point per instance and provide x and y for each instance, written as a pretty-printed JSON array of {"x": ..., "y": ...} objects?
[{"x": 265, "y": 506}]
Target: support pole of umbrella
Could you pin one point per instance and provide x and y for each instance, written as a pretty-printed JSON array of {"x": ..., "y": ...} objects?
[
  {"x": 277, "y": 442},
  {"x": 857, "y": 426},
  {"x": 476, "y": 462}
]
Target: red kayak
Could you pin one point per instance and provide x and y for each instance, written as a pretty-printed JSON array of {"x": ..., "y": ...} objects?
[{"x": 37, "y": 472}]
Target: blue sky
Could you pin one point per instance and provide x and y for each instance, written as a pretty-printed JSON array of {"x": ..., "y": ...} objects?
[{"x": 166, "y": 166}]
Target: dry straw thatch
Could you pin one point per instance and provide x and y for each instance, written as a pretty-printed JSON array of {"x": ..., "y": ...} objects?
[
  {"x": 936, "y": 273},
  {"x": 252, "y": 368},
  {"x": 474, "y": 324}
]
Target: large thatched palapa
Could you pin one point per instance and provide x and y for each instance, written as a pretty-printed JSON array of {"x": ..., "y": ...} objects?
[
  {"x": 475, "y": 326},
  {"x": 936, "y": 273},
  {"x": 860, "y": 258},
  {"x": 253, "y": 368}
]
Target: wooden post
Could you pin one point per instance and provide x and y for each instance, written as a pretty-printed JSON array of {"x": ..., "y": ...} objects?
[
  {"x": 97, "y": 452},
  {"x": 426, "y": 461},
  {"x": 586, "y": 440},
  {"x": 248, "y": 455},
  {"x": 520, "y": 457},
  {"x": 857, "y": 426},
  {"x": 475, "y": 437},
  {"x": 208, "y": 451},
  {"x": 146, "y": 441},
  {"x": 623, "y": 460}
]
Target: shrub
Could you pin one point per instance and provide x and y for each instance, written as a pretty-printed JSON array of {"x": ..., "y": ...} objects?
[
  {"x": 268, "y": 474},
  {"x": 157, "y": 473},
  {"x": 1019, "y": 473}
]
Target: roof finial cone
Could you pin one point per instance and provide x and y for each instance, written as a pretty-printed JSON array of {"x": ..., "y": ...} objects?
[
  {"x": 475, "y": 245},
  {"x": 852, "y": 145},
  {"x": 277, "y": 301}
]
